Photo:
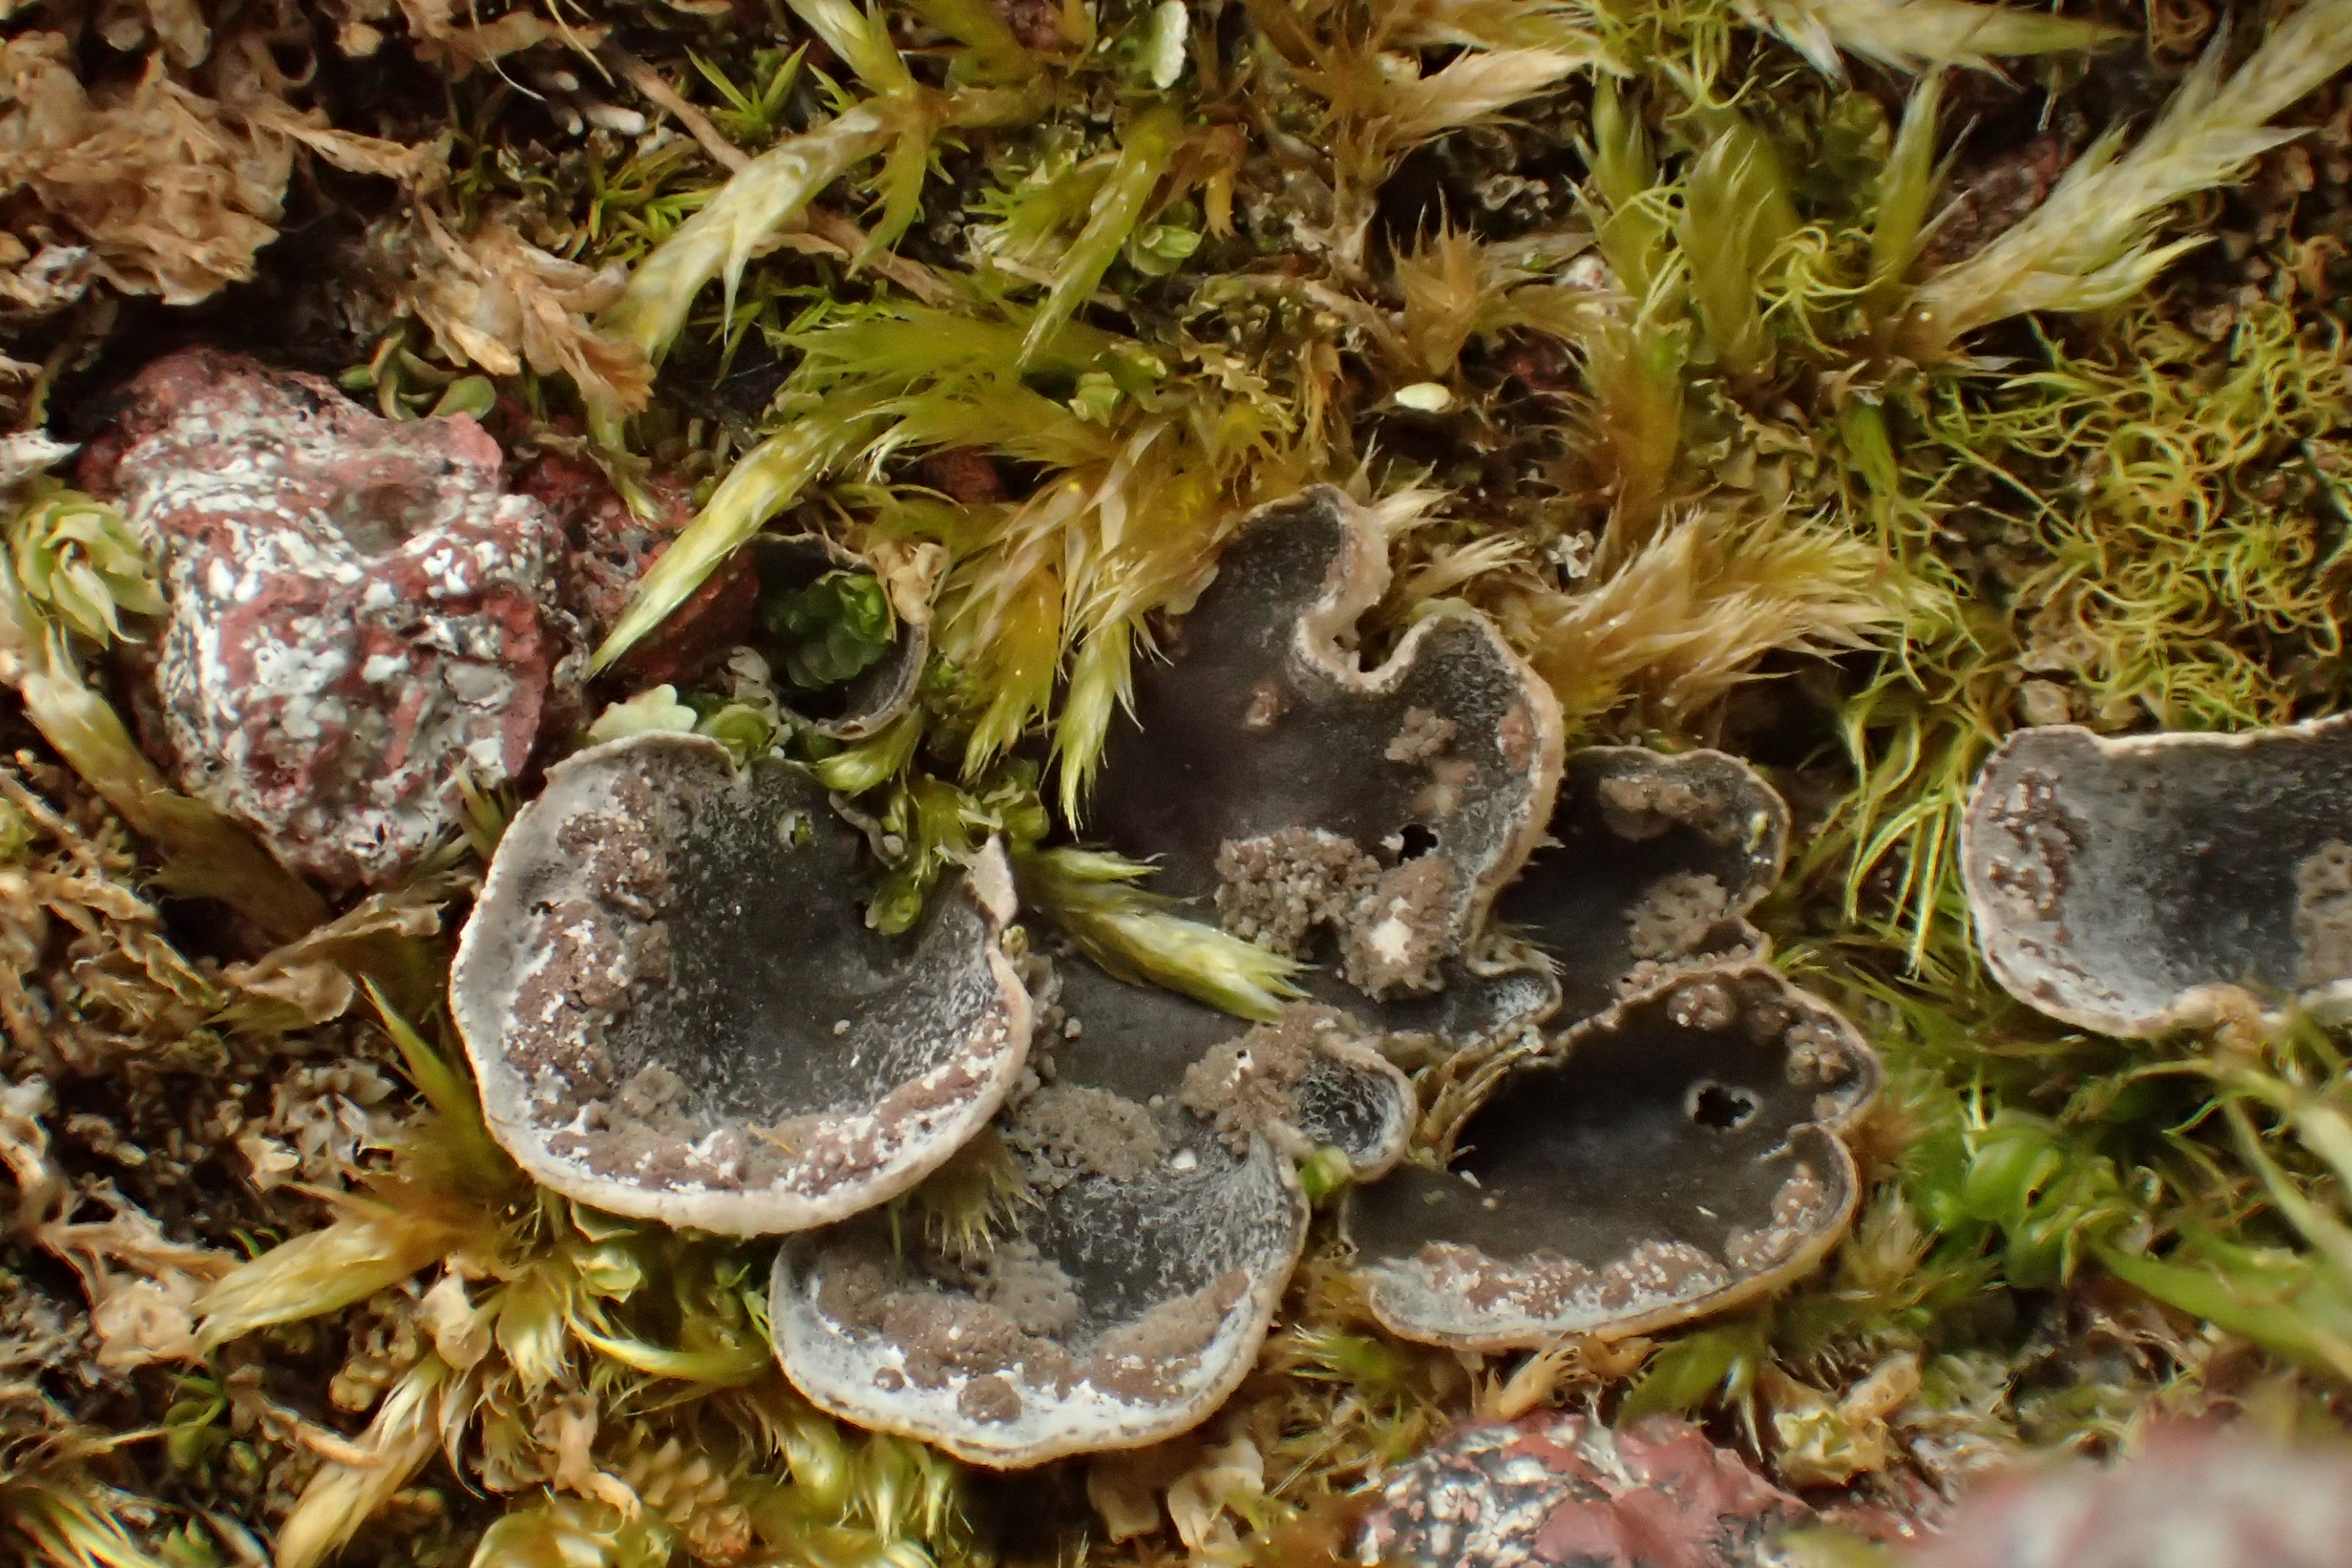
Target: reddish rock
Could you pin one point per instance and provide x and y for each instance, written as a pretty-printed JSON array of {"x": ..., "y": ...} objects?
[
  {"x": 1036, "y": 23},
  {"x": 1541, "y": 364},
  {"x": 964, "y": 474},
  {"x": 2194, "y": 1498},
  {"x": 607, "y": 548},
  {"x": 1986, "y": 200},
  {"x": 1557, "y": 1488},
  {"x": 358, "y": 609},
  {"x": 1894, "y": 1507}
]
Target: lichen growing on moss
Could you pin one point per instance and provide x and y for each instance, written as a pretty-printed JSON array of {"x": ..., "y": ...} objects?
[{"x": 1636, "y": 328}]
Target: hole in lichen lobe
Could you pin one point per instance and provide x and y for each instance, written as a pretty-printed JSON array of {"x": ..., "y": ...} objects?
[{"x": 1720, "y": 1107}]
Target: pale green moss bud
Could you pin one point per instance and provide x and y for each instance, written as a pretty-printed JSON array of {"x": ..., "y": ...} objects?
[{"x": 77, "y": 560}]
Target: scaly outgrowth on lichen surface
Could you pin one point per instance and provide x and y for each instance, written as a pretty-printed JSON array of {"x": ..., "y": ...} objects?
[
  {"x": 1323, "y": 806},
  {"x": 1672, "y": 1157},
  {"x": 1653, "y": 862},
  {"x": 2151, "y": 883},
  {"x": 676, "y": 1011}
]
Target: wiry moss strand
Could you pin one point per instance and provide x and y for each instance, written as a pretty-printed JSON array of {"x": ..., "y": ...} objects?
[
  {"x": 345, "y": 1494},
  {"x": 762, "y": 483},
  {"x": 542, "y": 1310},
  {"x": 1633, "y": 226},
  {"x": 1147, "y": 489},
  {"x": 77, "y": 561},
  {"x": 1689, "y": 616},
  {"x": 1737, "y": 215},
  {"x": 1145, "y": 152},
  {"x": 756, "y": 1474},
  {"x": 2162, "y": 583},
  {"x": 1907, "y": 189},
  {"x": 718, "y": 240},
  {"x": 1100, "y": 685},
  {"x": 2268, "y": 1256},
  {"x": 1014, "y": 634},
  {"x": 1376, "y": 115}
]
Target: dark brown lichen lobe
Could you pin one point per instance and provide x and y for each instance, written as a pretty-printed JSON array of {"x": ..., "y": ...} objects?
[
  {"x": 1007, "y": 1345},
  {"x": 1671, "y": 1157},
  {"x": 1360, "y": 815},
  {"x": 1799, "y": 1210},
  {"x": 604, "y": 948},
  {"x": 675, "y": 1012},
  {"x": 2038, "y": 873},
  {"x": 2143, "y": 884}
]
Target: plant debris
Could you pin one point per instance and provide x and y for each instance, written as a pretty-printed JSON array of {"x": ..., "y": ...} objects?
[{"x": 1793, "y": 411}]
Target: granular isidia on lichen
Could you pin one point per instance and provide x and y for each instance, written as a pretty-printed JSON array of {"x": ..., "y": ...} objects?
[{"x": 1839, "y": 384}]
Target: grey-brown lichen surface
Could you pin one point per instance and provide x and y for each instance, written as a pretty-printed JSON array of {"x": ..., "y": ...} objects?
[
  {"x": 1160, "y": 1280},
  {"x": 1156, "y": 1138},
  {"x": 1673, "y": 1148},
  {"x": 1667, "y": 1144},
  {"x": 676, "y": 1010},
  {"x": 1674, "y": 1156},
  {"x": 1652, "y": 863},
  {"x": 2149, "y": 883},
  {"x": 1273, "y": 776},
  {"x": 1368, "y": 814},
  {"x": 1674, "y": 1151},
  {"x": 678, "y": 1014}
]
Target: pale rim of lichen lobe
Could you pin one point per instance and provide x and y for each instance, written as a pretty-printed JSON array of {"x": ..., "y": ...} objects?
[
  {"x": 1532, "y": 738},
  {"x": 1083, "y": 1394},
  {"x": 834, "y": 1164},
  {"x": 2021, "y": 852},
  {"x": 1454, "y": 1294}
]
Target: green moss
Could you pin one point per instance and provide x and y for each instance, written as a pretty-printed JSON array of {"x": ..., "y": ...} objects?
[{"x": 1747, "y": 484}]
